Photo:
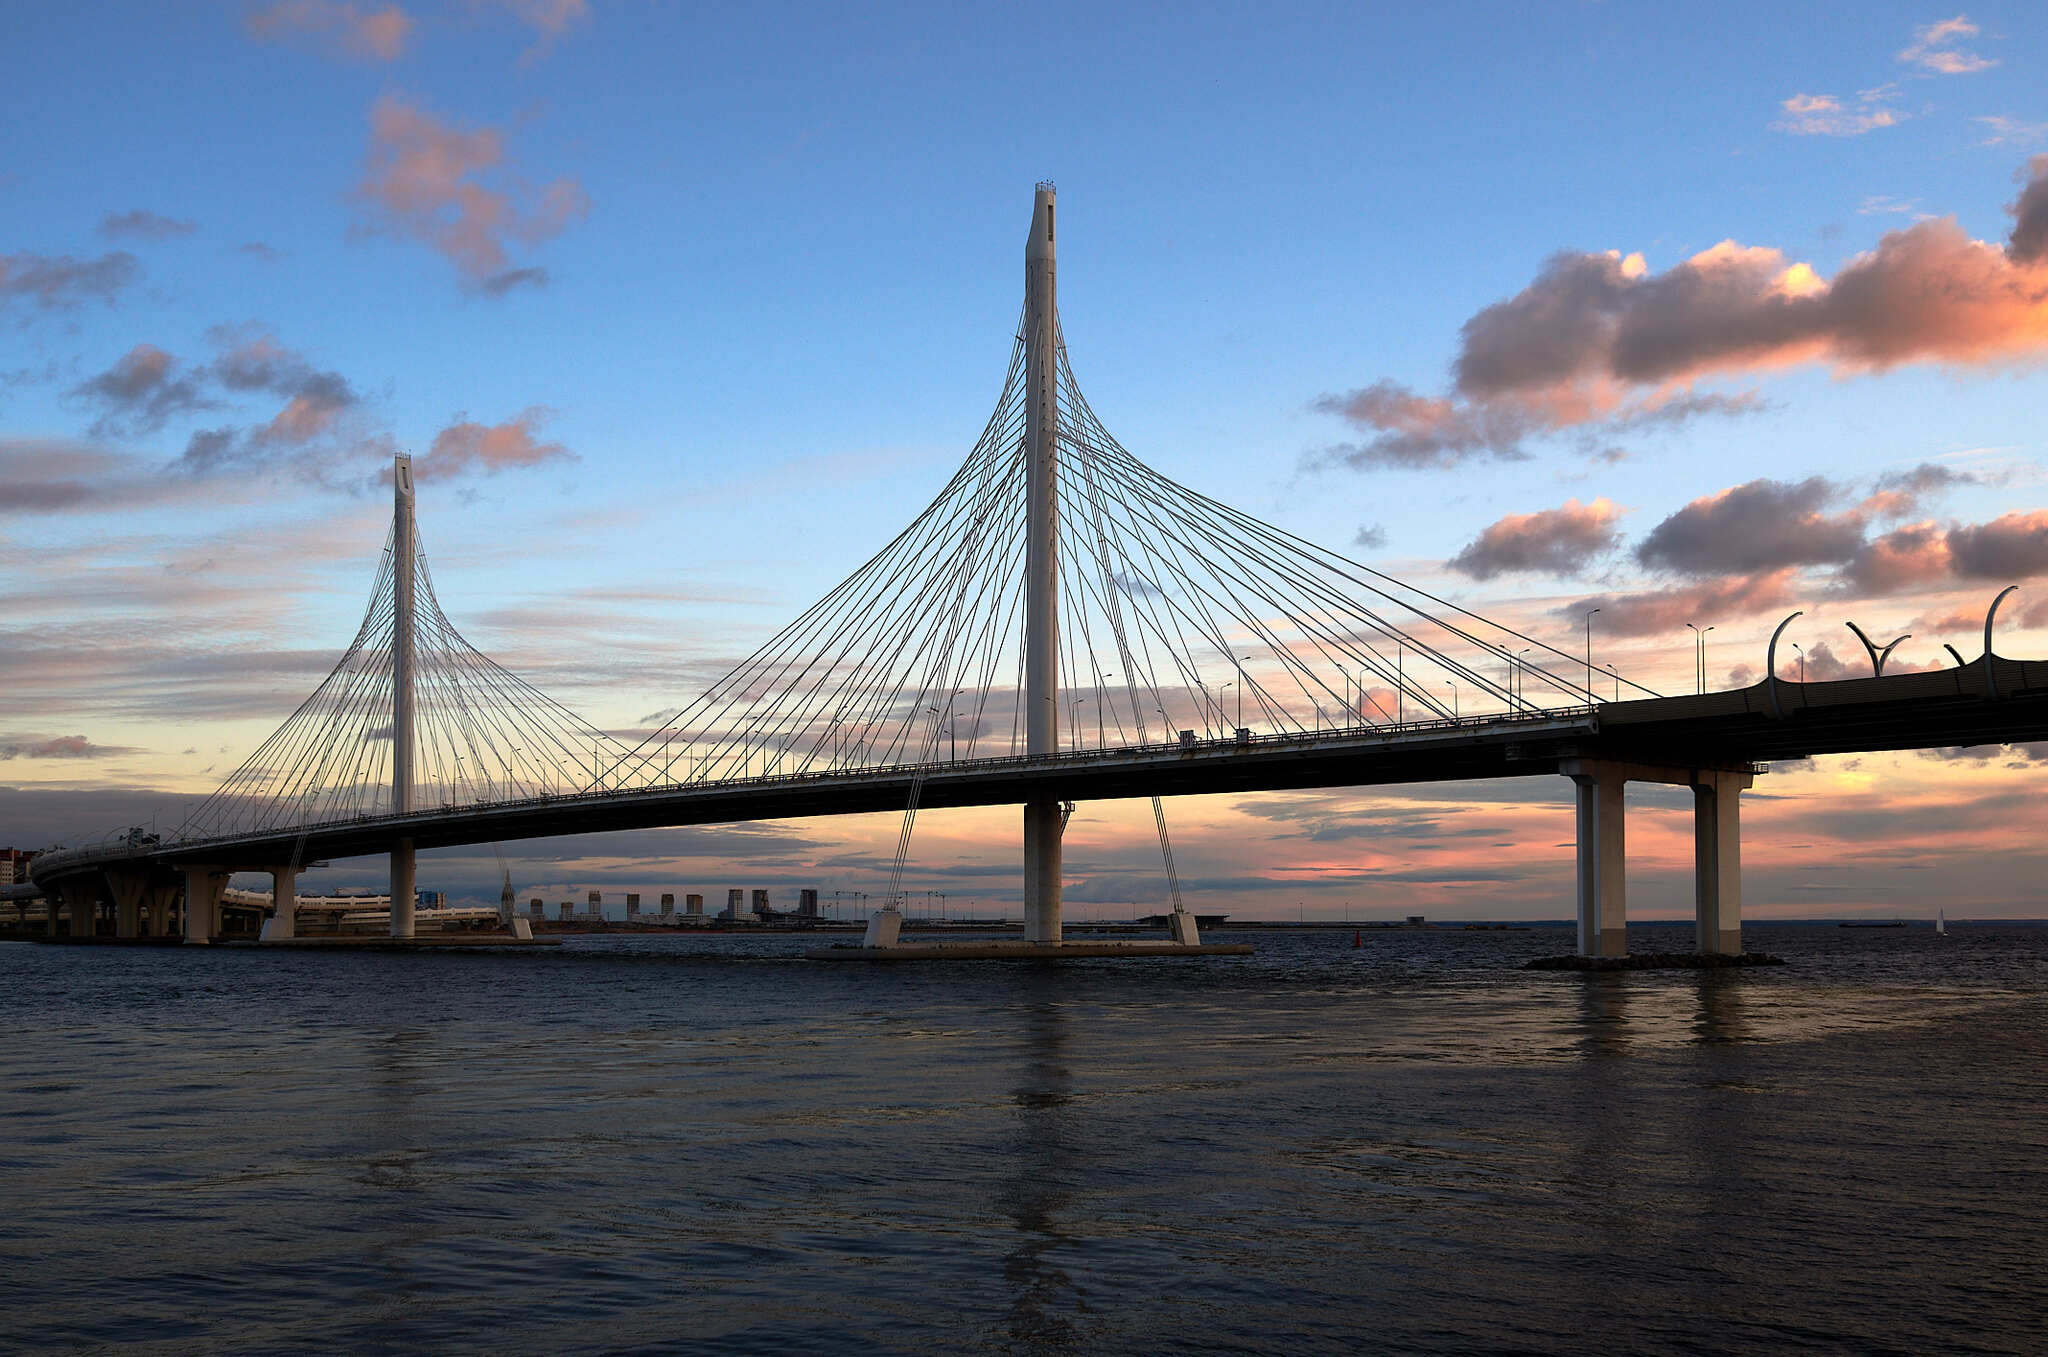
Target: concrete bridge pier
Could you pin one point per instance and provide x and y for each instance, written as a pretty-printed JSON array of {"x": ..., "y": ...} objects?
[
  {"x": 157, "y": 901},
  {"x": 128, "y": 890},
  {"x": 282, "y": 925},
  {"x": 81, "y": 896},
  {"x": 404, "y": 894},
  {"x": 1603, "y": 861},
  {"x": 203, "y": 889},
  {"x": 1717, "y": 859},
  {"x": 1603, "y": 857},
  {"x": 1043, "y": 829}
]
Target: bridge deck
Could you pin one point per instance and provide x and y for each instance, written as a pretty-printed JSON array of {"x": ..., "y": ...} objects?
[{"x": 1735, "y": 729}]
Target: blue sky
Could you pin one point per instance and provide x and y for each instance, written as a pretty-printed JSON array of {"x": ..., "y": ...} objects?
[{"x": 781, "y": 256}]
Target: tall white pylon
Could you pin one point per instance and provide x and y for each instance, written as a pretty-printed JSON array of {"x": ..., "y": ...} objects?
[
  {"x": 1042, "y": 820},
  {"x": 403, "y": 559}
]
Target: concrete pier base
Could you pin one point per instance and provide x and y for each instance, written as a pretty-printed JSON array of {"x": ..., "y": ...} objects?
[
  {"x": 425, "y": 943},
  {"x": 282, "y": 925},
  {"x": 884, "y": 926},
  {"x": 1026, "y": 950},
  {"x": 1603, "y": 857}
]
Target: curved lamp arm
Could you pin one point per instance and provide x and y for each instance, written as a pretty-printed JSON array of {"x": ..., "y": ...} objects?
[
  {"x": 1991, "y": 671},
  {"x": 1877, "y": 656},
  {"x": 1771, "y": 667}
]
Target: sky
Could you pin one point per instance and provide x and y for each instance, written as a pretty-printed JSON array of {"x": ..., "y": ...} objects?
[{"x": 1689, "y": 313}]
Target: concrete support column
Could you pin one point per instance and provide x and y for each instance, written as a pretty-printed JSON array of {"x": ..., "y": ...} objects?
[
  {"x": 1042, "y": 834},
  {"x": 158, "y": 903},
  {"x": 127, "y": 888},
  {"x": 203, "y": 889},
  {"x": 1603, "y": 861},
  {"x": 81, "y": 904},
  {"x": 282, "y": 925},
  {"x": 403, "y": 894},
  {"x": 1717, "y": 860}
]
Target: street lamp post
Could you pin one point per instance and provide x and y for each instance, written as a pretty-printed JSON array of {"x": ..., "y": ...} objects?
[
  {"x": 1454, "y": 698},
  {"x": 1589, "y": 653},
  {"x": 1802, "y": 660},
  {"x": 1699, "y": 657}
]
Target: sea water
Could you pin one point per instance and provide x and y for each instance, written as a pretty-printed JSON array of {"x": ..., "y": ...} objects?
[{"x": 712, "y": 1145}]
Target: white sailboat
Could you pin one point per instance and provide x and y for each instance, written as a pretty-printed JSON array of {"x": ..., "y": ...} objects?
[{"x": 1941, "y": 922}]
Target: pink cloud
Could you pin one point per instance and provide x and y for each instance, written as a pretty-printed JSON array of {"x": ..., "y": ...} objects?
[
  {"x": 1823, "y": 115},
  {"x": 467, "y": 446},
  {"x": 367, "y": 34},
  {"x": 1936, "y": 48},
  {"x": 144, "y": 225},
  {"x": 451, "y": 189},
  {"x": 1598, "y": 339},
  {"x": 140, "y": 392},
  {"x": 1551, "y": 541},
  {"x": 1668, "y": 610},
  {"x": 62, "y": 747},
  {"x": 56, "y": 282},
  {"x": 2010, "y": 547},
  {"x": 1905, "y": 558},
  {"x": 550, "y": 19}
]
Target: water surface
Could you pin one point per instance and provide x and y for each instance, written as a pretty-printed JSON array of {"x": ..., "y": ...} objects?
[{"x": 712, "y": 1145}]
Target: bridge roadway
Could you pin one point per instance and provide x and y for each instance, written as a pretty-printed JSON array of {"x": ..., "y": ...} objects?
[{"x": 1729, "y": 731}]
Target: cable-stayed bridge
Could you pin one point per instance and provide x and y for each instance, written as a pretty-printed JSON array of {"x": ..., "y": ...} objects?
[{"x": 1061, "y": 623}]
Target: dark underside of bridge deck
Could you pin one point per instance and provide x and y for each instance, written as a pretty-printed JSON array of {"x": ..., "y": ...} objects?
[{"x": 1938, "y": 709}]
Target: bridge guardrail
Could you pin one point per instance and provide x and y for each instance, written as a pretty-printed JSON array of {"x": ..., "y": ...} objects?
[{"x": 1167, "y": 750}]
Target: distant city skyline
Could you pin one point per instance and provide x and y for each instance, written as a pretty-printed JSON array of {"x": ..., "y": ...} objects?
[{"x": 683, "y": 316}]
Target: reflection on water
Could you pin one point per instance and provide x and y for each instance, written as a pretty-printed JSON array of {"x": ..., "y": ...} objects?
[
  {"x": 1603, "y": 1015},
  {"x": 1043, "y": 1163},
  {"x": 1410, "y": 1145},
  {"x": 1722, "y": 1017}
]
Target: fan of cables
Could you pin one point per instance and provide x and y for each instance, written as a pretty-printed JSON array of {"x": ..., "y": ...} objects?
[
  {"x": 481, "y": 734},
  {"x": 1176, "y": 613}
]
